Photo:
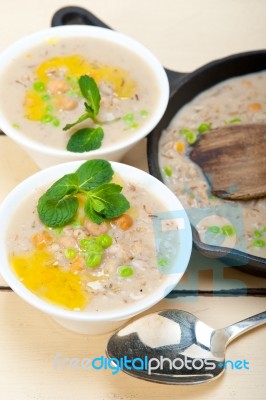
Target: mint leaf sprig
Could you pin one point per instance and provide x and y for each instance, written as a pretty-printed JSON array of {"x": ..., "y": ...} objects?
[
  {"x": 104, "y": 200},
  {"x": 87, "y": 139}
]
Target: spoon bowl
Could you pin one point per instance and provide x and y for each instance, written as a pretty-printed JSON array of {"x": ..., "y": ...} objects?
[{"x": 174, "y": 347}]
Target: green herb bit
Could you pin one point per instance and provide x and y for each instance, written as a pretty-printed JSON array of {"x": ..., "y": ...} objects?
[
  {"x": 259, "y": 243},
  {"x": 39, "y": 86},
  {"x": 58, "y": 206},
  {"x": 16, "y": 126},
  {"x": 70, "y": 253},
  {"x": 264, "y": 229},
  {"x": 204, "y": 127},
  {"x": 168, "y": 171},
  {"x": 228, "y": 230},
  {"x": 214, "y": 229},
  {"x": 125, "y": 271},
  {"x": 257, "y": 234}
]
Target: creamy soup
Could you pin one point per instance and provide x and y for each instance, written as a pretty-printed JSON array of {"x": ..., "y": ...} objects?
[
  {"x": 84, "y": 265},
  {"x": 42, "y": 93},
  {"x": 237, "y": 100}
]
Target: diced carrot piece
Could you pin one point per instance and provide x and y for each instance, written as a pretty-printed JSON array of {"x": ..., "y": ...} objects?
[
  {"x": 41, "y": 240},
  {"x": 255, "y": 107},
  {"x": 123, "y": 222},
  {"x": 77, "y": 264},
  {"x": 179, "y": 147}
]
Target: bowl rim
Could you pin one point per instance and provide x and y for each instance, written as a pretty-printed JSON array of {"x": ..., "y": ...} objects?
[
  {"x": 141, "y": 177},
  {"x": 34, "y": 39}
]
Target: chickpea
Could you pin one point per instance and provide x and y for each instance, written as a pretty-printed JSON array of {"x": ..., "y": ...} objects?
[
  {"x": 95, "y": 229},
  {"x": 67, "y": 103},
  {"x": 57, "y": 86},
  {"x": 67, "y": 241},
  {"x": 123, "y": 222}
]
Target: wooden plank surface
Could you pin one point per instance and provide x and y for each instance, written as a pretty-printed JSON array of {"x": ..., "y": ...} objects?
[{"x": 30, "y": 341}]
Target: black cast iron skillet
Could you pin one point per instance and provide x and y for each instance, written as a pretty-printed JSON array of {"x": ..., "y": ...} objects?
[{"x": 183, "y": 88}]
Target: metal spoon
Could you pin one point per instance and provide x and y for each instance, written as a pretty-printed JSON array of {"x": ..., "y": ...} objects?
[{"x": 175, "y": 347}]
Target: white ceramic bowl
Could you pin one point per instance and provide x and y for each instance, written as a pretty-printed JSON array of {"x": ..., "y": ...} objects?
[
  {"x": 93, "y": 322},
  {"x": 46, "y": 156}
]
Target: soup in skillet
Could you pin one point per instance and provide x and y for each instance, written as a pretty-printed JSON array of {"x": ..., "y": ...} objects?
[{"x": 237, "y": 100}]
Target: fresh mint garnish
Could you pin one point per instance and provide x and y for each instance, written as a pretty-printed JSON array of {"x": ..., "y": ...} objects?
[
  {"x": 90, "y": 92},
  {"x": 82, "y": 118},
  {"x": 103, "y": 200},
  {"x": 87, "y": 139}
]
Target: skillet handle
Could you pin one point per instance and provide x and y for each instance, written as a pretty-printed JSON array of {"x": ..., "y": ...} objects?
[
  {"x": 76, "y": 16},
  {"x": 175, "y": 79}
]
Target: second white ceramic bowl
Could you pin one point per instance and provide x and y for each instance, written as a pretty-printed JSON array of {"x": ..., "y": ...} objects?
[{"x": 101, "y": 322}]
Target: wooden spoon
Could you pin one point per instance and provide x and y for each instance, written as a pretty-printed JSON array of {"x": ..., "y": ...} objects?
[{"x": 233, "y": 158}]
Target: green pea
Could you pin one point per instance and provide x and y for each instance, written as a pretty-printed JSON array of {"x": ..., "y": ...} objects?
[
  {"x": 56, "y": 122},
  {"x": 90, "y": 245},
  {"x": 46, "y": 119},
  {"x": 134, "y": 125},
  {"x": 259, "y": 243},
  {"x": 144, "y": 113},
  {"x": 214, "y": 229},
  {"x": 58, "y": 231},
  {"x": 125, "y": 271},
  {"x": 228, "y": 230},
  {"x": 234, "y": 120},
  {"x": 93, "y": 260},
  {"x": 49, "y": 108},
  {"x": 70, "y": 253},
  {"x": 46, "y": 97},
  {"x": 39, "y": 86},
  {"x": 104, "y": 240},
  {"x": 129, "y": 118},
  {"x": 257, "y": 234},
  {"x": 204, "y": 127},
  {"x": 75, "y": 223},
  {"x": 168, "y": 171},
  {"x": 163, "y": 262},
  {"x": 191, "y": 136}
]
